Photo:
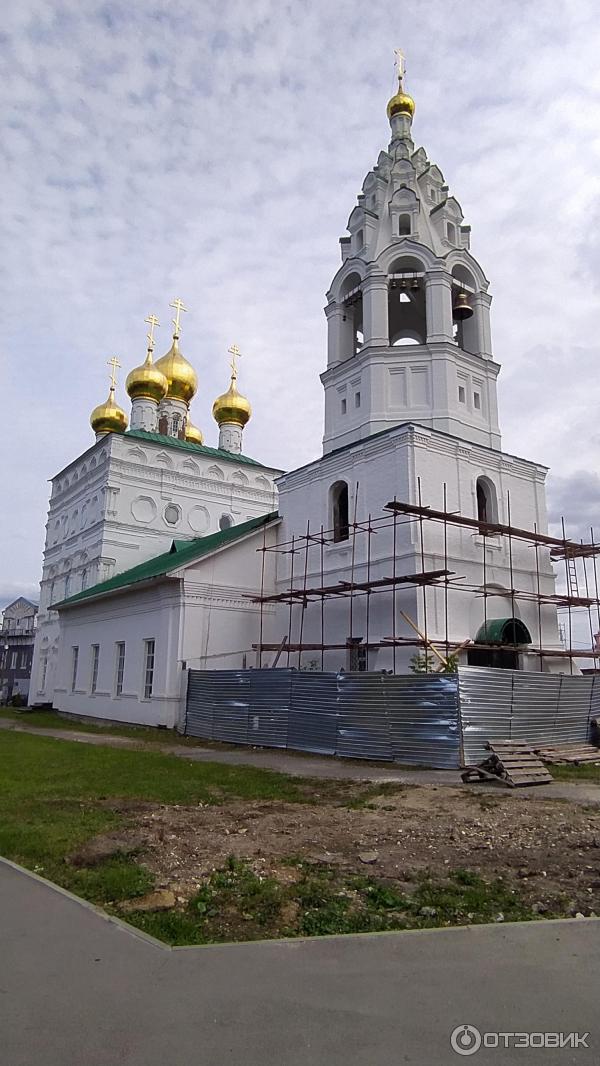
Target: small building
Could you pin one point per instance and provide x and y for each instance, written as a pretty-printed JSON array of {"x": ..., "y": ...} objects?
[{"x": 16, "y": 648}]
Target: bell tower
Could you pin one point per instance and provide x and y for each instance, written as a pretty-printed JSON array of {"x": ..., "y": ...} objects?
[{"x": 408, "y": 311}]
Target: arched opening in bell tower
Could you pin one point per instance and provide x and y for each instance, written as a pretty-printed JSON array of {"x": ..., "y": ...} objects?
[
  {"x": 465, "y": 329},
  {"x": 352, "y": 318},
  {"x": 406, "y": 302}
]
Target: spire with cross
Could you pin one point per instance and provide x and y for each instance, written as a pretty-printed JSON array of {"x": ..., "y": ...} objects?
[
  {"x": 178, "y": 305},
  {"x": 152, "y": 322}
]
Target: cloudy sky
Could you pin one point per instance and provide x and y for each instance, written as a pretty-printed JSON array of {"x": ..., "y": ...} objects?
[{"x": 214, "y": 152}]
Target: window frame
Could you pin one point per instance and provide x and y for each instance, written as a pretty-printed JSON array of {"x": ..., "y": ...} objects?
[
  {"x": 149, "y": 667},
  {"x": 74, "y": 666},
  {"x": 119, "y": 667},
  {"x": 95, "y": 661}
]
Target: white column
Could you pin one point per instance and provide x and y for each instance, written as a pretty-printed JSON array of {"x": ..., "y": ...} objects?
[
  {"x": 438, "y": 302},
  {"x": 144, "y": 414},
  {"x": 375, "y": 311},
  {"x": 480, "y": 302},
  {"x": 336, "y": 325},
  {"x": 230, "y": 437}
]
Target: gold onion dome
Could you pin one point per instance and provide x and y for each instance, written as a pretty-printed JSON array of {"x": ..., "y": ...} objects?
[
  {"x": 231, "y": 406},
  {"x": 401, "y": 104},
  {"x": 181, "y": 377},
  {"x": 108, "y": 417},
  {"x": 147, "y": 382},
  {"x": 193, "y": 435}
]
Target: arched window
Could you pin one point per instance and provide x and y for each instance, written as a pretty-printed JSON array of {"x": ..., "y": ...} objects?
[
  {"x": 404, "y": 228},
  {"x": 225, "y": 521},
  {"x": 451, "y": 232},
  {"x": 339, "y": 510},
  {"x": 487, "y": 506}
]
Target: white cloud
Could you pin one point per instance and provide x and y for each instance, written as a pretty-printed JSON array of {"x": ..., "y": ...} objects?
[{"x": 216, "y": 153}]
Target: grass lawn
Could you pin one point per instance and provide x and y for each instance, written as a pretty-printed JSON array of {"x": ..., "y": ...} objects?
[
  {"x": 57, "y": 796},
  {"x": 585, "y": 772},
  {"x": 52, "y": 720}
]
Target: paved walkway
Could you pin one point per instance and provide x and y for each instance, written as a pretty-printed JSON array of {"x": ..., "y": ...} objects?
[
  {"x": 298, "y": 765},
  {"x": 77, "y": 989}
]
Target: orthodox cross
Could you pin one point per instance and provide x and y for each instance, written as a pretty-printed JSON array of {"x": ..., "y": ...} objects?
[
  {"x": 113, "y": 364},
  {"x": 152, "y": 322},
  {"x": 178, "y": 305},
  {"x": 400, "y": 64},
  {"x": 235, "y": 354}
]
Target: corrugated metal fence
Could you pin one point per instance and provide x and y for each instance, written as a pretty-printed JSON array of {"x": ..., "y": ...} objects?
[
  {"x": 437, "y": 720},
  {"x": 410, "y": 719},
  {"x": 514, "y": 705}
]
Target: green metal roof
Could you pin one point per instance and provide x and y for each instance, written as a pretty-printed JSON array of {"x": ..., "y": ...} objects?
[
  {"x": 503, "y": 631},
  {"x": 180, "y": 553},
  {"x": 198, "y": 449}
]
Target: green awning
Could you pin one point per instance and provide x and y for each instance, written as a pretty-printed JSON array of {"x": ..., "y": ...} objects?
[{"x": 503, "y": 631}]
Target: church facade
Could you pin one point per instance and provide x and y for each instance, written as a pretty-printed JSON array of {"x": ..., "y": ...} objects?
[{"x": 178, "y": 541}]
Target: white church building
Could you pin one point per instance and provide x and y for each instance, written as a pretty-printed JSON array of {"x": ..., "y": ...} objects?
[{"x": 159, "y": 548}]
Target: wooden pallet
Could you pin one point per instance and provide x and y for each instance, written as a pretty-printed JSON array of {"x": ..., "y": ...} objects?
[
  {"x": 517, "y": 763},
  {"x": 568, "y": 753},
  {"x": 512, "y": 762}
]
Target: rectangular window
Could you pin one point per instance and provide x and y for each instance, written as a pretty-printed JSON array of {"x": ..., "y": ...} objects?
[
  {"x": 13, "y": 660},
  {"x": 477, "y": 401},
  {"x": 344, "y": 406},
  {"x": 43, "y": 671},
  {"x": 357, "y": 399},
  {"x": 461, "y": 394},
  {"x": 74, "y": 662},
  {"x": 120, "y": 667},
  {"x": 148, "y": 668},
  {"x": 23, "y": 660},
  {"x": 94, "y": 673}
]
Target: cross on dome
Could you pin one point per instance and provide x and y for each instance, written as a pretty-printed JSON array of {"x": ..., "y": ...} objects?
[
  {"x": 152, "y": 322},
  {"x": 115, "y": 365},
  {"x": 235, "y": 353},
  {"x": 178, "y": 305},
  {"x": 400, "y": 63}
]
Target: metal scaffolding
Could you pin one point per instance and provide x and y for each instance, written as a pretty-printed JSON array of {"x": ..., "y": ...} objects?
[{"x": 581, "y": 586}]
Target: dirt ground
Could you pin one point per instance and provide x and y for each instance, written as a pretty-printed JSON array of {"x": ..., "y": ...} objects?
[{"x": 549, "y": 849}]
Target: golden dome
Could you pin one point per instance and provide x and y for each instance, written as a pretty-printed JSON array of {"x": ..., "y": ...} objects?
[
  {"x": 108, "y": 417},
  {"x": 147, "y": 382},
  {"x": 401, "y": 104},
  {"x": 193, "y": 435},
  {"x": 181, "y": 377},
  {"x": 231, "y": 407}
]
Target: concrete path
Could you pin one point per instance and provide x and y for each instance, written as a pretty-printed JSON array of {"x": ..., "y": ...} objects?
[
  {"x": 324, "y": 766},
  {"x": 77, "y": 989}
]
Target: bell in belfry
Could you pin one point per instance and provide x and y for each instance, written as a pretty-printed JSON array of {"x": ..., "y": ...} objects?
[{"x": 461, "y": 309}]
